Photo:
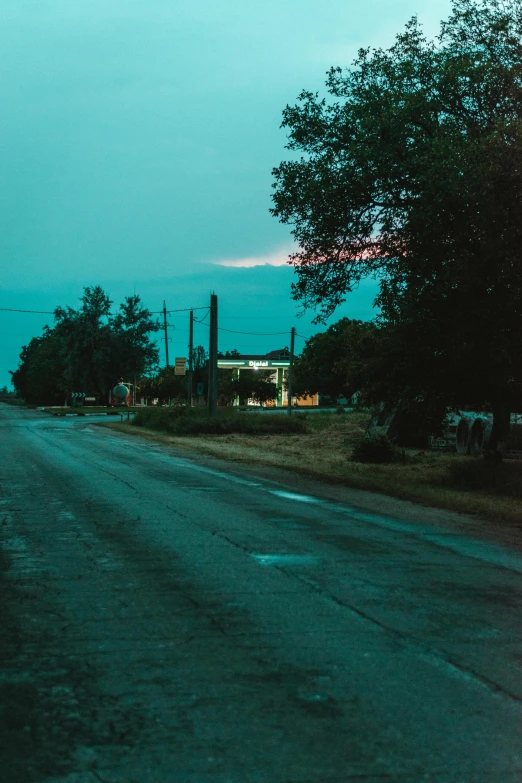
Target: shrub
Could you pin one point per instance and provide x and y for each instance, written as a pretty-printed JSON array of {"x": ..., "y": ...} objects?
[
  {"x": 184, "y": 421},
  {"x": 377, "y": 450}
]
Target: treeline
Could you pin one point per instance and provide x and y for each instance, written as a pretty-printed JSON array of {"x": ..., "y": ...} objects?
[{"x": 87, "y": 350}]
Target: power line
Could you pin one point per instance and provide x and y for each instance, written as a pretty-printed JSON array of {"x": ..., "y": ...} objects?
[
  {"x": 235, "y": 331},
  {"x": 260, "y": 334},
  {"x": 160, "y": 312},
  {"x": 181, "y": 310},
  {"x": 40, "y": 312},
  {"x": 254, "y": 334},
  {"x": 52, "y": 312}
]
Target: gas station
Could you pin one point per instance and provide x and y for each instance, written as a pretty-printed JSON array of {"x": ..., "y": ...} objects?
[{"x": 278, "y": 363}]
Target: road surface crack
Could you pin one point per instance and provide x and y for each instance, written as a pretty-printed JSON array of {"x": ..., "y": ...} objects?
[{"x": 426, "y": 650}]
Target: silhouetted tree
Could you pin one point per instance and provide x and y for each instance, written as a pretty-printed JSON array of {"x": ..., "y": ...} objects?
[
  {"x": 411, "y": 171},
  {"x": 87, "y": 350}
]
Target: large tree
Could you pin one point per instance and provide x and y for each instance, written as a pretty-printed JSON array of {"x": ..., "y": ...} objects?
[
  {"x": 87, "y": 350},
  {"x": 411, "y": 171},
  {"x": 135, "y": 353},
  {"x": 335, "y": 363}
]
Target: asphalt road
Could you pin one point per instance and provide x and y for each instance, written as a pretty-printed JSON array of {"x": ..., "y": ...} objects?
[{"x": 174, "y": 620}]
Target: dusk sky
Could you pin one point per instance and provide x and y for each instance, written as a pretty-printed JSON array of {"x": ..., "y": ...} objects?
[{"x": 137, "y": 143}]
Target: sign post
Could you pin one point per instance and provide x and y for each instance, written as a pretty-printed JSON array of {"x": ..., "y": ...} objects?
[
  {"x": 213, "y": 357},
  {"x": 180, "y": 366},
  {"x": 291, "y": 369}
]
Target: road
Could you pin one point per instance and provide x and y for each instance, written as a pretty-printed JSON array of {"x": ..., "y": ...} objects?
[{"x": 167, "y": 619}]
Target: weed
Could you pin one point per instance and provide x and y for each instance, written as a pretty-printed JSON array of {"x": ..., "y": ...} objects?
[{"x": 377, "y": 450}]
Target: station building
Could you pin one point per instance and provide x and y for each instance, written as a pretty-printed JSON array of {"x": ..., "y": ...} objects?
[{"x": 277, "y": 363}]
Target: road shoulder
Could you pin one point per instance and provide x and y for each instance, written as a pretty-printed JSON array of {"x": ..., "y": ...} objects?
[{"x": 207, "y": 453}]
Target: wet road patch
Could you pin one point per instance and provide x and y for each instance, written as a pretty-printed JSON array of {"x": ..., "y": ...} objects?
[{"x": 286, "y": 560}]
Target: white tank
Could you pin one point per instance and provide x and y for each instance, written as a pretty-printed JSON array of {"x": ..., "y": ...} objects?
[{"x": 121, "y": 392}]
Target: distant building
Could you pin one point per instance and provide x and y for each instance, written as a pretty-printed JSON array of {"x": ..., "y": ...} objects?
[{"x": 278, "y": 362}]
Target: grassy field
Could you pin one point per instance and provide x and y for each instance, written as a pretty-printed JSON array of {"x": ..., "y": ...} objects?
[{"x": 324, "y": 451}]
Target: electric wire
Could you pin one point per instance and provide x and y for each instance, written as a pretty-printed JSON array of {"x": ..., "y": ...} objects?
[
  {"x": 180, "y": 310},
  {"x": 255, "y": 334},
  {"x": 51, "y": 312},
  {"x": 40, "y": 312}
]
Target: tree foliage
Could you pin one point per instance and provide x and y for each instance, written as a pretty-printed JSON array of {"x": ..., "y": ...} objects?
[
  {"x": 251, "y": 385},
  {"x": 87, "y": 350},
  {"x": 165, "y": 385},
  {"x": 411, "y": 171},
  {"x": 335, "y": 363}
]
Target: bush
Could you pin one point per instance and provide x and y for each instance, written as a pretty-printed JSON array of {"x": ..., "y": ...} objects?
[
  {"x": 377, "y": 450},
  {"x": 158, "y": 418},
  {"x": 186, "y": 421}
]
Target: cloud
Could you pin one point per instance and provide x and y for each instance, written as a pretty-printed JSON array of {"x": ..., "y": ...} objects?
[{"x": 278, "y": 258}]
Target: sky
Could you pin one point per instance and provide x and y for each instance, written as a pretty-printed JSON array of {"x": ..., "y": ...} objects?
[{"x": 136, "y": 148}]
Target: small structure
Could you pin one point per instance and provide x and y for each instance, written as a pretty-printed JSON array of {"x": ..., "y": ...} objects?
[
  {"x": 278, "y": 363},
  {"x": 120, "y": 394}
]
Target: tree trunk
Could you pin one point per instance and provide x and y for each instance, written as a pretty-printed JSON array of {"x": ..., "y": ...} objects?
[{"x": 499, "y": 432}]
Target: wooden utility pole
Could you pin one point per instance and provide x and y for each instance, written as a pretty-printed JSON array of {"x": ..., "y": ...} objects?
[
  {"x": 165, "y": 327},
  {"x": 190, "y": 383},
  {"x": 212, "y": 356},
  {"x": 291, "y": 369}
]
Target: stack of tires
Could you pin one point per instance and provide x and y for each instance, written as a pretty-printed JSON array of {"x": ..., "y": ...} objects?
[{"x": 473, "y": 433}]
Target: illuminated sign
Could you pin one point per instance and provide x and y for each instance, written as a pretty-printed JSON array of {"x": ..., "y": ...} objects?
[{"x": 253, "y": 364}]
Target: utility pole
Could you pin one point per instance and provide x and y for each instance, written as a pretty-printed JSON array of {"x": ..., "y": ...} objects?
[
  {"x": 191, "y": 358},
  {"x": 212, "y": 356},
  {"x": 166, "y": 334},
  {"x": 291, "y": 369}
]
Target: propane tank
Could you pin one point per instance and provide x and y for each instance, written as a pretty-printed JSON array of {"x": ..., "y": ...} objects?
[{"x": 121, "y": 393}]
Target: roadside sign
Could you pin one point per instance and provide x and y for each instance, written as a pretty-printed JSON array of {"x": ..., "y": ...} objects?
[
  {"x": 90, "y": 399},
  {"x": 180, "y": 366},
  {"x": 200, "y": 388}
]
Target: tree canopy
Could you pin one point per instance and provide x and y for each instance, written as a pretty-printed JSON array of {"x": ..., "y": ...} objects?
[
  {"x": 87, "y": 350},
  {"x": 335, "y": 363},
  {"x": 410, "y": 171},
  {"x": 250, "y": 385}
]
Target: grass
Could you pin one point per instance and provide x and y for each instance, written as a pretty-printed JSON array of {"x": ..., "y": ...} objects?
[{"x": 324, "y": 452}]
